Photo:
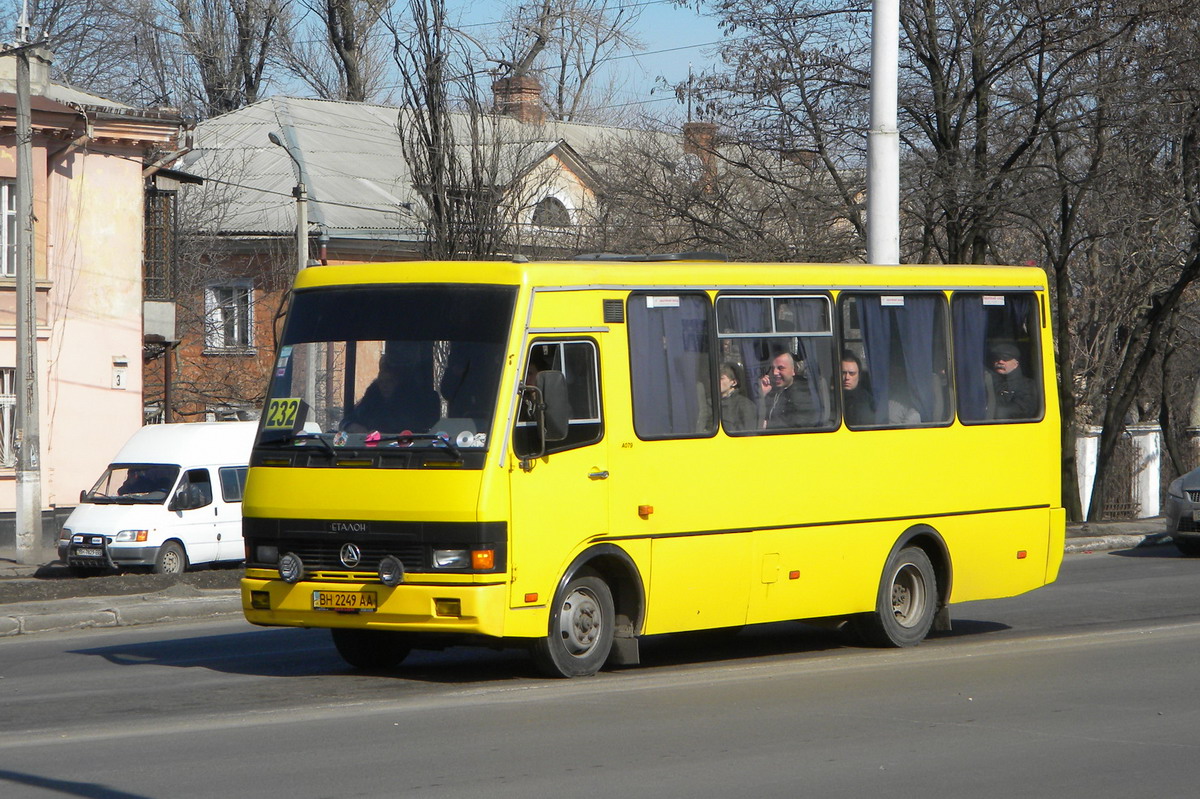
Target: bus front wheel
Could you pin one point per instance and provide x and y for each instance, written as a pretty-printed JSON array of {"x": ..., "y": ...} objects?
[
  {"x": 370, "y": 650},
  {"x": 906, "y": 603},
  {"x": 581, "y": 630}
]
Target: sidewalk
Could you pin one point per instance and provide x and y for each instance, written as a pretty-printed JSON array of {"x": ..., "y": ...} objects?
[{"x": 182, "y": 601}]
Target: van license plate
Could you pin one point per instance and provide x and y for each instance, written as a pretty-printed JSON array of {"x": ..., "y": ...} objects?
[
  {"x": 1196, "y": 515},
  {"x": 89, "y": 553},
  {"x": 346, "y": 601}
]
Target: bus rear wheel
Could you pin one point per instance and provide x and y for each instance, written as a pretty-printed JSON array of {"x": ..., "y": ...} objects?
[
  {"x": 581, "y": 630},
  {"x": 370, "y": 650},
  {"x": 906, "y": 603}
]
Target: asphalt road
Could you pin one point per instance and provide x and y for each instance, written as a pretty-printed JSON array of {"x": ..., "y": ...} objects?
[{"x": 1084, "y": 688}]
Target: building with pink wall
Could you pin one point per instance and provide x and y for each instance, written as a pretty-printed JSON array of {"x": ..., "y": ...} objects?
[{"x": 91, "y": 158}]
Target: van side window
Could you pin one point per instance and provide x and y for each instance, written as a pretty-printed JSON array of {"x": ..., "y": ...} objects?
[
  {"x": 195, "y": 490},
  {"x": 997, "y": 368},
  {"x": 671, "y": 364},
  {"x": 233, "y": 482}
]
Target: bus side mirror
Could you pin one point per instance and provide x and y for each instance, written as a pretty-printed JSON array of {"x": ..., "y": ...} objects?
[{"x": 553, "y": 387}]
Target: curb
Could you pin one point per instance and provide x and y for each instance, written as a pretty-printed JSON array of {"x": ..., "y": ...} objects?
[{"x": 123, "y": 611}]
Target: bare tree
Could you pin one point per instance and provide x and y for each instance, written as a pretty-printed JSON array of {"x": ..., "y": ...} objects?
[
  {"x": 337, "y": 49},
  {"x": 565, "y": 46}
]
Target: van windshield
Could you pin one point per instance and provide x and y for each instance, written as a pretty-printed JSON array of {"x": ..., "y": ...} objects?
[
  {"x": 413, "y": 367},
  {"x": 131, "y": 484}
]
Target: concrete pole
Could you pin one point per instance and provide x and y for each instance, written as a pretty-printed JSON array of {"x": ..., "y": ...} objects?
[
  {"x": 883, "y": 139},
  {"x": 28, "y": 436}
]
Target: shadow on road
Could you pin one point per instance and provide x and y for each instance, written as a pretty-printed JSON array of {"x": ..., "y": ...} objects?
[{"x": 300, "y": 653}]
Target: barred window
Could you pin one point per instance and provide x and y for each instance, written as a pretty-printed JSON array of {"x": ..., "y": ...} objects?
[{"x": 159, "y": 258}]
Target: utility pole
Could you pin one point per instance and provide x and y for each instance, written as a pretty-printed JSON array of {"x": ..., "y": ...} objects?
[
  {"x": 883, "y": 139},
  {"x": 300, "y": 192},
  {"x": 28, "y": 437}
]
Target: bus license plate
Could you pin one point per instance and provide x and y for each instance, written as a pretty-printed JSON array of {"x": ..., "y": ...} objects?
[{"x": 345, "y": 601}]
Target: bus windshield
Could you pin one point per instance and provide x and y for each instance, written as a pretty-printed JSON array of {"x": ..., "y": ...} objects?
[{"x": 397, "y": 366}]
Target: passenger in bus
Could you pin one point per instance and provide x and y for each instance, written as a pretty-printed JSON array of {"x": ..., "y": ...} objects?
[
  {"x": 858, "y": 407},
  {"x": 1012, "y": 395},
  {"x": 400, "y": 398},
  {"x": 787, "y": 401},
  {"x": 737, "y": 410}
]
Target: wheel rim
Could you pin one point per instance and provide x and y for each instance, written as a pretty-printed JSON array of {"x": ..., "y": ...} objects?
[
  {"x": 908, "y": 596},
  {"x": 171, "y": 562},
  {"x": 580, "y": 622}
]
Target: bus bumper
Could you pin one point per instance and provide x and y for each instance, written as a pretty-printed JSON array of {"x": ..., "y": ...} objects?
[{"x": 453, "y": 609}]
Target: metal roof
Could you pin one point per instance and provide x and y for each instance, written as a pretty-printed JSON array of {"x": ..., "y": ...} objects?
[{"x": 350, "y": 160}]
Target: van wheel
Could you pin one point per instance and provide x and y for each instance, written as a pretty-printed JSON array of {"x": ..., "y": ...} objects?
[
  {"x": 580, "y": 637},
  {"x": 906, "y": 603},
  {"x": 370, "y": 650},
  {"x": 171, "y": 559}
]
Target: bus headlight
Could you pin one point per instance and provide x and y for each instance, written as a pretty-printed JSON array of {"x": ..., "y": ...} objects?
[
  {"x": 391, "y": 571},
  {"x": 451, "y": 558},
  {"x": 291, "y": 568}
]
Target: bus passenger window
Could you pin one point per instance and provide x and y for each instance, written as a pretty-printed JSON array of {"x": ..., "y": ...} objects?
[
  {"x": 997, "y": 370},
  {"x": 671, "y": 363},
  {"x": 783, "y": 346},
  {"x": 895, "y": 360}
]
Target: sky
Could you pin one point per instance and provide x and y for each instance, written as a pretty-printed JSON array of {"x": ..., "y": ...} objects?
[{"x": 674, "y": 37}]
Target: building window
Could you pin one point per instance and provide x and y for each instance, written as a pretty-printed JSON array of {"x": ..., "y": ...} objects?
[
  {"x": 8, "y": 417},
  {"x": 229, "y": 317},
  {"x": 8, "y": 231},
  {"x": 159, "y": 258},
  {"x": 550, "y": 212}
]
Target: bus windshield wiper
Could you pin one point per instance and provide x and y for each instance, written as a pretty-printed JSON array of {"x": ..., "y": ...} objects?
[{"x": 319, "y": 437}]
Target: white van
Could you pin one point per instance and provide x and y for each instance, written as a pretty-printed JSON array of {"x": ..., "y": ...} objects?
[{"x": 171, "y": 498}]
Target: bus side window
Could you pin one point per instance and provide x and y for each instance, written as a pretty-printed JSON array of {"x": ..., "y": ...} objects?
[
  {"x": 578, "y": 362},
  {"x": 895, "y": 360},
  {"x": 776, "y": 353},
  {"x": 671, "y": 364},
  {"x": 997, "y": 371}
]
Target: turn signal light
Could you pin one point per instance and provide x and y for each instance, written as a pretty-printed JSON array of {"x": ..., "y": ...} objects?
[{"x": 483, "y": 559}]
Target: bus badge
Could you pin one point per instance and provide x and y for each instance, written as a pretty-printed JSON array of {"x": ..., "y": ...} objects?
[{"x": 350, "y": 555}]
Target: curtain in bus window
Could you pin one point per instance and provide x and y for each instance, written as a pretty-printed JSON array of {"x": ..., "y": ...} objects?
[
  {"x": 751, "y": 315},
  {"x": 970, "y": 356},
  {"x": 817, "y": 353},
  {"x": 669, "y": 350},
  {"x": 901, "y": 335}
]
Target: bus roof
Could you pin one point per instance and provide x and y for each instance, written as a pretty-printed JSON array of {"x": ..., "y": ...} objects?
[{"x": 626, "y": 274}]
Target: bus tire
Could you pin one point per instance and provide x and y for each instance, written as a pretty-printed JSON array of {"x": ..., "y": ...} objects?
[
  {"x": 370, "y": 650},
  {"x": 580, "y": 637},
  {"x": 171, "y": 559},
  {"x": 906, "y": 604}
]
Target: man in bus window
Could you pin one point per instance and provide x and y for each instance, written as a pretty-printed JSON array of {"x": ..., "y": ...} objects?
[
  {"x": 1015, "y": 396},
  {"x": 857, "y": 405},
  {"x": 787, "y": 401}
]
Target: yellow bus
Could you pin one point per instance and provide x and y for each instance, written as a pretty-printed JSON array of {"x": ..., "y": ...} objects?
[{"x": 571, "y": 455}]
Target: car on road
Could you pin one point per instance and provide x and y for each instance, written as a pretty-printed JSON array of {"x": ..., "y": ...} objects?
[
  {"x": 1183, "y": 513},
  {"x": 171, "y": 498}
]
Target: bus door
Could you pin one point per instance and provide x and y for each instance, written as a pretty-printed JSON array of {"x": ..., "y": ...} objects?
[{"x": 559, "y": 488}]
